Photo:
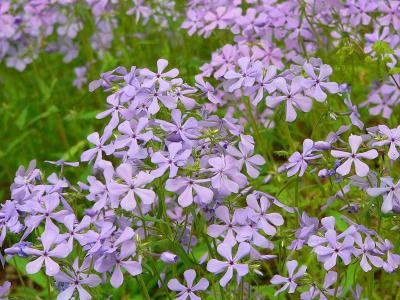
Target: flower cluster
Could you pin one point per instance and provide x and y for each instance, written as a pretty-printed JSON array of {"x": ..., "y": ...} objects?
[{"x": 206, "y": 180}]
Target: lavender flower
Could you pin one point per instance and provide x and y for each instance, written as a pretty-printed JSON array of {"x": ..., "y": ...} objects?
[
  {"x": 188, "y": 291},
  {"x": 231, "y": 263},
  {"x": 289, "y": 282},
  {"x": 362, "y": 169},
  {"x": 48, "y": 239},
  {"x": 292, "y": 95}
]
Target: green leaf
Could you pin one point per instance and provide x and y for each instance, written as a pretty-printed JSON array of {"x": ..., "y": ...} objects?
[
  {"x": 395, "y": 70},
  {"x": 20, "y": 264},
  {"x": 382, "y": 48},
  {"x": 52, "y": 109}
]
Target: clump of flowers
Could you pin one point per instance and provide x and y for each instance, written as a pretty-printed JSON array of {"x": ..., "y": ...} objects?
[{"x": 262, "y": 173}]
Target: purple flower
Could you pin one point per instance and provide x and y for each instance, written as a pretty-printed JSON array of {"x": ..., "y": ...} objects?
[
  {"x": 179, "y": 130},
  {"x": 80, "y": 78},
  {"x": 315, "y": 292},
  {"x": 4, "y": 289},
  {"x": 258, "y": 214},
  {"x": 246, "y": 76},
  {"x": 268, "y": 54},
  {"x": 44, "y": 210},
  {"x": 227, "y": 177},
  {"x": 317, "y": 84},
  {"x": 392, "y": 137},
  {"x": 207, "y": 89},
  {"x": 244, "y": 154},
  {"x": 115, "y": 110},
  {"x": 231, "y": 226},
  {"x": 168, "y": 257},
  {"x": 48, "y": 239},
  {"x": 298, "y": 162},
  {"x": 189, "y": 289},
  {"x": 97, "y": 152},
  {"x": 159, "y": 77},
  {"x": 75, "y": 279},
  {"x": 133, "y": 133},
  {"x": 354, "y": 114},
  {"x": 392, "y": 260},
  {"x": 185, "y": 187},
  {"x": 368, "y": 253},
  {"x": 231, "y": 263},
  {"x": 362, "y": 168},
  {"x": 175, "y": 159},
  {"x": 328, "y": 254},
  {"x": 391, "y": 15},
  {"x": 132, "y": 187},
  {"x": 24, "y": 181},
  {"x": 308, "y": 227},
  {"x": 220, "y": 18},
  {"x": 146, "y": 100},
  {"x": 75, "y": 231},
  {"x": 264, "y": 82},
  {"x": 359, "y": 12},
  {"x": 390, "y": 191},
  {"x": 292, "y": 95},
  {"x": 289, "y": 282}
]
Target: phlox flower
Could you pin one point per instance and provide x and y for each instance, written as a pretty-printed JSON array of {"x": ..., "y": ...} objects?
[
  {"x": 231, "y": 263},
  {"x": 190, "y": 288},
  {"x": 292, "y": 95},
  {"x": 289, "y": 282},
  {"x": 362, "y": 168},
  {"x": 60, "y": 250}
]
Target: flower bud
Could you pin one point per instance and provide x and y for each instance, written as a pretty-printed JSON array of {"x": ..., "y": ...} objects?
[{"x": 168, "y": 257}]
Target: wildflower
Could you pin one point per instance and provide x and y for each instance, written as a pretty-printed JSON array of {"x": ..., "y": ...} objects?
[
  {"x": 159, "y": 77},
  {"x": 168, "y": 257},
  {"x": 175, "y": 159},
  {"x": 246, "y": 76},
  {"x": 132, "y": 186},
  {"x": 317, "y": 84},
  {"x": 244, "y": 154},
  {"x": 231, "y": 263},
  {"x": 362, "y": 169},
  {"x": 227, "y": 176},
  {"x": 75, "y": 279},
  {"x": 48, "y": 239},
  {"x": 292, "y": 95},
  {"x": 368, "y": 253},
  {"x": 392, "y": 138},
  {"x": 390, "y": 191},
  {"x": 186, "y": 186},
  {"x": 97, "y": 152},
  {"x": 314, "y": 291},
  {"x": 298, "y": 162},
  {"x": 328, "y": 254},
  {"x": 289, "y": 282},
  {"x": 189, "y": 289}
]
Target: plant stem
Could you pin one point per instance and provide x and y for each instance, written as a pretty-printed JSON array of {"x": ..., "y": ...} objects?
[
  {"x": 337, "y": 281},
  {"x": 48, "y": 288},
  {"x": 143, "y": 287},
  {"x": 143, "y": 221},
  {"x": 296, "y": 193},
  {"x": 18, "y": 272},
  {"x": 154, "y": 267}
]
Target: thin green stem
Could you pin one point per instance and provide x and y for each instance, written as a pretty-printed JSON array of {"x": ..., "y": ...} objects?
[
  {"x": 143, "y": 221},
  {"x": 337, "y": 281},
  {"x": 48, "y": 287},
  {"x": 296, "y": 193},
  {"x": 143, "y": 287}
]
